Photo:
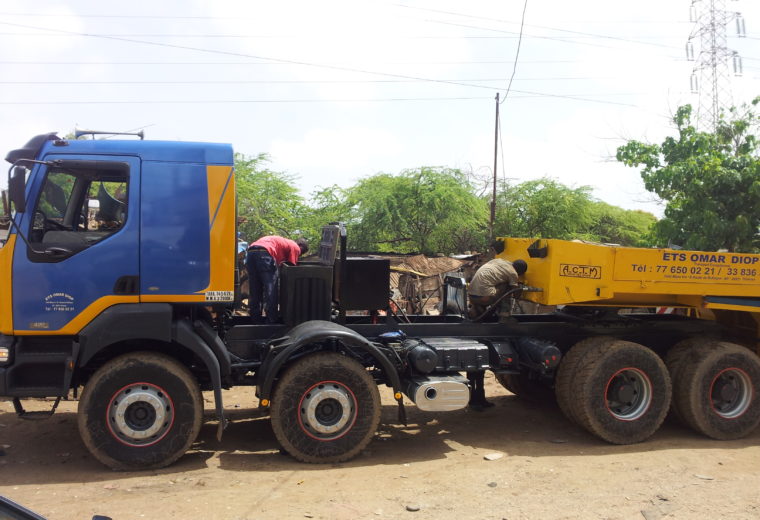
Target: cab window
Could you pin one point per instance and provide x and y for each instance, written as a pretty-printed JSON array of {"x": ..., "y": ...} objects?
[{"x": 77, "y": 207}]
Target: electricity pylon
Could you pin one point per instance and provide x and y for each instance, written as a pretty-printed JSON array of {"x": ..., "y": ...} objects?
[{"x": 710, "y": 77}]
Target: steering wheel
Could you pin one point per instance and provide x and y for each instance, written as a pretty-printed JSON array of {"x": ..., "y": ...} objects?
[{"x": 41, "y": 221}]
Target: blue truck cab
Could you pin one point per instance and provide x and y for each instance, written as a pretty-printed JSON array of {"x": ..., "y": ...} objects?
[
  {"x": 115, "y": 245},
  {"x": 111, "y": 222}
]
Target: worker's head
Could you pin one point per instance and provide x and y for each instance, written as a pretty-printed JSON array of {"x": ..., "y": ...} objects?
[
  {"x": 303, "y": 244},
  {"x": 520, "y": 266}
]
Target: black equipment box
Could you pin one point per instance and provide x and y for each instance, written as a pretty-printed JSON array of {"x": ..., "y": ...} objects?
[
  {"x": 362, "y": 283},
  {"x": 305, "y": 292}
]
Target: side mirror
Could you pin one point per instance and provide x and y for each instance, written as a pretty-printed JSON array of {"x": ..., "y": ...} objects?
[
  {"x": 10, "y": 509},
  {"x": 16, "y": 185}
]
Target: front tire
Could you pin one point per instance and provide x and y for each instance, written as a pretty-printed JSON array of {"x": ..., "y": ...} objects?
[
  {"x": 325, "y": 408},
  {"x": 140, "y": 411}
]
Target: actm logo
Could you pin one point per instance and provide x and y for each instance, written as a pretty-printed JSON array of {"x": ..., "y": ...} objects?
[{"x": 580, "y": 271}]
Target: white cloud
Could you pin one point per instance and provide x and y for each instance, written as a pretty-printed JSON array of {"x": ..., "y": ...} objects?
[{"x": 343, "y": 154}]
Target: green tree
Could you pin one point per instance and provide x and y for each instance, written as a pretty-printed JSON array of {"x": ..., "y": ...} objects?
[
  {"x": 710, "y": 181},
  {"x": 543, "y": 208},
  {"x": 428, "y": 210},
  {"x": 614, "y": 225},
  {"x": 326, "y": 205},
  {"x": 268, "y": 201}
]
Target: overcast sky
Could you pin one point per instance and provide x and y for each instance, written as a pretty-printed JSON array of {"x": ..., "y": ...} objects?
[{"x": 337, "y": 90}]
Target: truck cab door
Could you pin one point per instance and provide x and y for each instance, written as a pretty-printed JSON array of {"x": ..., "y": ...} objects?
[{"x": 82, "y": 223}]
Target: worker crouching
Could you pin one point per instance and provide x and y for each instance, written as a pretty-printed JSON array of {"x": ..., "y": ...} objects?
[{"x": 491, "y": 282}]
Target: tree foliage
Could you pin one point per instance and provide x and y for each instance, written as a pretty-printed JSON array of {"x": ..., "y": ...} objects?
[
  {"x": 710, "y": 181},
  {"x": 542, "y": 208},
  {"x": 546, "y": 208},
  {"x": 268, "y": 201},
  {"x": 613, "y": 225},
  {"x": 428, "y": 210}
]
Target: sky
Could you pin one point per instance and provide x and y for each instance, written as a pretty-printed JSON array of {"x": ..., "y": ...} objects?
[{"x": 335, "y": 91}]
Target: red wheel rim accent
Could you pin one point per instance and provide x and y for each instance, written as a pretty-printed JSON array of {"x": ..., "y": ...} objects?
[
  {"x": 347, "y": 428},
  {"x": 646, "y": 386},
  {"x": 166, "y": 431},
  {"x": 745, "y": 384}
]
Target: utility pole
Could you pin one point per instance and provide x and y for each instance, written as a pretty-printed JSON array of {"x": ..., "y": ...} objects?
[
  {"x": 710, "y": 76},
  {"x": 495, "y": 155}
]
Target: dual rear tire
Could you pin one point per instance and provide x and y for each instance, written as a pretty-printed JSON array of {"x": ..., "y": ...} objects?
[
  {"x": 617, "y": 390},
  {"x": 621, "y": 391},
  {"x": 715, "y": 388}
]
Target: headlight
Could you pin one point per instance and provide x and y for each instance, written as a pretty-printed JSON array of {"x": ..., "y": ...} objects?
[{"x": 6, "y": 343}]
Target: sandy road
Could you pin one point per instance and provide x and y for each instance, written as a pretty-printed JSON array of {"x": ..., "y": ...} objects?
[{"x": 549, "y": 469}]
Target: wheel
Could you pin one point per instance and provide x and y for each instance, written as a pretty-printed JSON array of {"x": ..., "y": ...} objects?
[
  {"x": 621, "y": 392},
  {"x": 526, "y": 388},
  {"x": 675, "y": 360},
  {"x": 717, "y": 391},
  {"x": 325, "y": 408},
  {"x": 141, "y": 410},
  {"x": 569, "y": 366}
]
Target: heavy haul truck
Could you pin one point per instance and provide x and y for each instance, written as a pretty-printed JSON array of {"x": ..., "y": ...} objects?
[{"x": 118, "y": 277}]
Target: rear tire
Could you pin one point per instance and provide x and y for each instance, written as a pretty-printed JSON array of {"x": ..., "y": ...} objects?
[
  {"x": 572, "y": 362},
  {"x": 325, "y": 408},
  {"x": 621, "y": 392},
  {"x": 716, "y": 391},
  {"x": 676, "y": 358},
  {"x": 139, "y": 411}
]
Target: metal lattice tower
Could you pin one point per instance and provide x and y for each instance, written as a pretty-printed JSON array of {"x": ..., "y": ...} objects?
[{"x": 710, "y": 77}]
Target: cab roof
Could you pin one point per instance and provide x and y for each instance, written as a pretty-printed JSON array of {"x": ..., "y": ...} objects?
[{"x": 166, "y": 151}]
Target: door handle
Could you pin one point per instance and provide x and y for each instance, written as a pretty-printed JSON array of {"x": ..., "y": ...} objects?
[{"x": 58, "y": 252}]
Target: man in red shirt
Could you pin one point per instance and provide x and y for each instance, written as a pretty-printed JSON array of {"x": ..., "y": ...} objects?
[{"x": 262, "y": 262}]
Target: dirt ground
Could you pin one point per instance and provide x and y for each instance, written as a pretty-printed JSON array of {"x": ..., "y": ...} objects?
[{"x": 435, "y": 466}]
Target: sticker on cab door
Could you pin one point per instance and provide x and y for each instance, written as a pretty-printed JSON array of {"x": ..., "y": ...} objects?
[{"x": 59, "y": 302}]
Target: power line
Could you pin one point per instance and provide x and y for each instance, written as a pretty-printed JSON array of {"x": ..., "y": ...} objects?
[
  {"x": 240, "y": 54},
  {"x": 238, "y": 63},
  {"x": 512, "y": 36},
  {"x": 174, "y": 17},
  {"x": 119, "y": 16},
  {"x": 604, "y": 36},
  {"x": 232, "y": 101},
  {"x": 517, "y": 55},
  {"x": 277, "y": 82},
  {"x": 524, "y": 94}
]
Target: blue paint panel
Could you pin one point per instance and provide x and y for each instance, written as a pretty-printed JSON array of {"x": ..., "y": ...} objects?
[
  {"x": 46, "y": 296},
  {"x": 174, "y": 256},
  {"x": 165, "y": 151}
]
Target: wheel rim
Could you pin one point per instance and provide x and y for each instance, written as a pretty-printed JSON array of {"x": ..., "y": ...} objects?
[
  {"x": 140, "y": 414},
  {"x": 628, "y": 394},
  {"x": 327, "y": 410},
  {"x": 731, "y": 393}
]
